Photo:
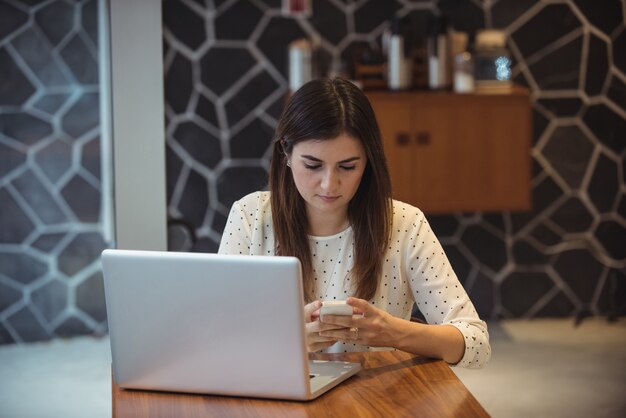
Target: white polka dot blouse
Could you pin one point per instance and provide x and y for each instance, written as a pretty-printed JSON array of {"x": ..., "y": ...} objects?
[{"x": 416, "y": 270}]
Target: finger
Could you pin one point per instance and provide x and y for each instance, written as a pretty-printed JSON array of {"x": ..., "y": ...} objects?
[
  {"x": 344, "y": 321},
  {"x": 345, "y": 334},
  {"x": 310, "y": 308},
  {"x": 362, "y": 306}
]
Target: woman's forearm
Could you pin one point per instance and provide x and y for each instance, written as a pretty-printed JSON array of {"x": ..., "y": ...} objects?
[{"x": 445, "y": 342}]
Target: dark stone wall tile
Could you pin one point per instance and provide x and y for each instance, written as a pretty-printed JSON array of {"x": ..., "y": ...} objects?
[
  {"x": 581, "y": 271},
  {"x": 526, "y": 254},
  {"x": 173, "y": 166},
  {"x": 463, "y": 16},
  {"x": 37, "y": 54},
  {"x": 372, "y": 14},
  {"x": 82, "y": 116},
  {"x": 486, "y": 247},
  {"x": 275, "y": 39},
  {"x": 329, "y": 21},
  {"x": 80, "y": 60},
  {"x": 219, "y": 76},
  {"x": 612, "y": 301},
  {"x": 5, "y": 335},
  {"x": 617, "y": 92},
  {"x": 543, "y": 195},
  {"x": 14, "y": 224},
  {"x": 55, "y": 20},
  {"x": 560, "y": 69},
  {"x": 8, "y": 296},
  {"x": 621, "y": 207},
  {"x": 219, "y": 222},
  {"x": 206, "y": 110},
  {"x": 90, "y": 156},
  {"x": 195, "y": 199},
  {"x": 461, "y": 265},
  {"x": 249, "y": 97},
  {"x": 10, "y": 159},
  {"x": 612, "y": 236},
  {"x": 482, "y": 296},
  {"x": 557, "y": 307},
  {"x": 238, "y": 21},
  {"x": 48, "y": 241},
  {"x": 597, "y": 65},
  {"x": 71, "y": 327},
  {"x": 55, "y": 159},
  {"x": 619, "y": 45},
  {"x": 27, "y": 325},
  {"x": 520, "y": 291},
  {"x": 568, "y": 150},
  {"x": 89, "y": 15},
  {"x": 443, "y": 225},
  {"x": 19, "y": 89},
  {"x": 39, "y": 198},
  {"x": 179, "y": 84},
  {"x": 205, "y": 245},
  {"x": 605, "y": 15},
  {"x": 505, "y": 12},
  {"x": 52, "y": 102},
  {"x": 184, "y": 24},
  {"x": 562, "y": 107},
  {"x": 551, "y": 23},
  {"x": 90, "y": 297},
  {"x": 545, "y": 235},
  {"x": 608, "y": 126},
  {"x": 11, "y": 18},
  {"x": 604, "y": 185},
  {"x": 200, "y": 144},
  {"x": 572, "y": 216},
  {"x": 83, "y": 250},
  {"x": 236, "y": 182},
  {"x": 83, "y": 199},
  {"x": 24, "y": 128},
  {"x": 540, "y": 123},
  {"x": 50, "y": 299},
  {"x": 252, "y": 141}
]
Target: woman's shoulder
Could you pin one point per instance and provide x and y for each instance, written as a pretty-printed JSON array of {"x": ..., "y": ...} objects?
[
  {"x": 255, "y": 200},
  {"x": 402, "y": 210}
]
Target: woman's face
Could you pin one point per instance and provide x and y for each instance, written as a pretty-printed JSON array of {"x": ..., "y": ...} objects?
[{"x": 327, "y": 173}]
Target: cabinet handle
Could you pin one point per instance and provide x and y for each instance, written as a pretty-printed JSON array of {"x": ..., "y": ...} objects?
[
  {"x": 403, "y": 138},
  {"x": 422, "y": 138}
]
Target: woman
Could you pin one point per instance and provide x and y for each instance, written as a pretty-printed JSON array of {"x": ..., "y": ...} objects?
[{"x": 330, "y": 205}]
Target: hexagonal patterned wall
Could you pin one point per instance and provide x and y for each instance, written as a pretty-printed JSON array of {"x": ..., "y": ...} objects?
[
  {"x": 225, "y": 84},
  {"x": 50, "y": 190}
]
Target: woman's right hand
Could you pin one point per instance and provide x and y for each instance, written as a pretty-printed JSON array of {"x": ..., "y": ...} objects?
[{"x": 314, "y": 341}]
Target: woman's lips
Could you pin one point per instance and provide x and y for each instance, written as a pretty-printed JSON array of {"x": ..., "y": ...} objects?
[{"x": 328, "y": 199}]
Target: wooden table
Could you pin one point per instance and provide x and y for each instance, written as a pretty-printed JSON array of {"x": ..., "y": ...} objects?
[{"x": 391, "y": 384}]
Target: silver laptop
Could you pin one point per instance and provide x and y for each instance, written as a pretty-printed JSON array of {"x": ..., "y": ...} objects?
[{"x": 213, "y": 324}]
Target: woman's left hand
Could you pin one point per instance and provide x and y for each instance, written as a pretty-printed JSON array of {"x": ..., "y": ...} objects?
[{"x": 373, "y": 327}]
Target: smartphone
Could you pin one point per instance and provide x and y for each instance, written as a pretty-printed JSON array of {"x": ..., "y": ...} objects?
[{"x": 335, "y": 307}]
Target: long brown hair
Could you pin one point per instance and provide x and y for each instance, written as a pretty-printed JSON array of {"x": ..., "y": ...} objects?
[{"x": 323, "y": 109}]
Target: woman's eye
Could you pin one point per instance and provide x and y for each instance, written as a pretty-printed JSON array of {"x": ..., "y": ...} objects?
[
  {"x": 312, "y": 167},
  {"x": 347, "y": 167}
]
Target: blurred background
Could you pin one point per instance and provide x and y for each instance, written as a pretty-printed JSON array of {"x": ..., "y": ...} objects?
[{"x": 226, "y": 76}]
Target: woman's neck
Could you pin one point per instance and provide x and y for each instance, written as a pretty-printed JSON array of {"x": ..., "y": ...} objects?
[{"x": 325, "y": 225}]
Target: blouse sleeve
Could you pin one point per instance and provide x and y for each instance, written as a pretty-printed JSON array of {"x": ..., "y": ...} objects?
[
  {"x": 237, "y": 236},
  {"x": 440, "y": 296}
]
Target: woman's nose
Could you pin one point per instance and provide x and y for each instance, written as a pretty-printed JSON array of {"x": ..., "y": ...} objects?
[{"x": 329, "y": 180}]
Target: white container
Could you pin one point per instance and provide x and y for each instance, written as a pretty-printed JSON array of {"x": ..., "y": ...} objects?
[
  {"x": 463, "y": 73},
  {"x": 300, "y": 63},
  {"x": 398, "y": 66}
]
